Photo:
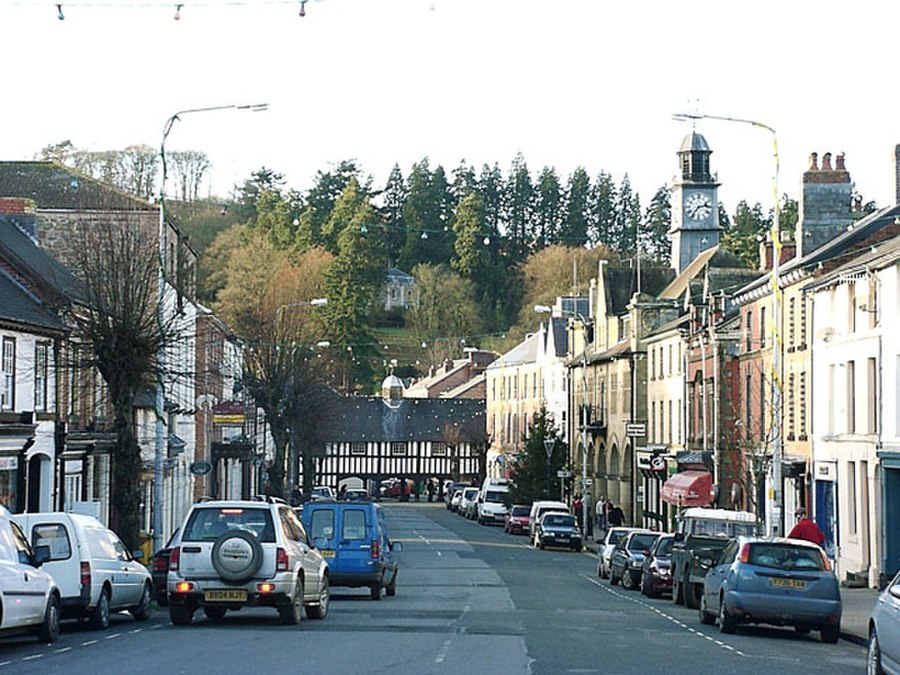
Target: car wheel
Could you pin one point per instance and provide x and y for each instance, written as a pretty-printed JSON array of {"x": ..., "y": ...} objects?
[
  {"x": 627, "y": 580},
  {"x": 375, "y": 591},
  {"x": 706, "y": 618},
  {"x": 181, "y": 615},
  {"x": 873, "y": 655},
  {"x": 577, "y": 548},
  {"x": 689, "y": 590},
  {"x": 613, "y": 579},
  {"x": 391, "y": 588},
  {"x": 214, "y": 613},
  {"x": 292, "y": 613},
  {"x": 99, "y": 618},
  {"x": 830, "y": 634},
  {"x": 727, "y": 623},
  {"x": 237, "y": 555},
  {"x": 144, "y": 608},
  {"x": 320, "y": 610},
  {"x": 49, "y": 630}
]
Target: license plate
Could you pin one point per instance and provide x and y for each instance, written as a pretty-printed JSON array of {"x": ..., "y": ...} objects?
[
  {"x": 327, "y": 553},
  {"x": 788, "y": 583},
  {"x": 225, "y": 596}
]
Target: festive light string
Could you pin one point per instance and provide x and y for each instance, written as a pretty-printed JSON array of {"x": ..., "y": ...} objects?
[{"x": 60, "y": 14}]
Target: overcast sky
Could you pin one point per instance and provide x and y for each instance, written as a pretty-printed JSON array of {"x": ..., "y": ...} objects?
[{"x": 566, "y": 82}]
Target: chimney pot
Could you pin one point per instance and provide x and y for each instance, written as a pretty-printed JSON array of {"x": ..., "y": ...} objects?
[
  {"x": 839, "y": 162},
  {"x": 826, "y": 162},
  {"x": 814, "y": 161}
]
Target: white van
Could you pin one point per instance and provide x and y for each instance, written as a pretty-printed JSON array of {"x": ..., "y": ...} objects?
[
  {"x": 490, "y": 503},
  {"x": 540, "y": 508},
  {"x": 95, "y": 573}
]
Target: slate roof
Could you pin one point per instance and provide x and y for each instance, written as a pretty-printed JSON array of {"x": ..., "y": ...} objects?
[
  {"x": 54, "y": 186},
  {"x": 21, "y": 307},
  {"x": 524, "y": 352},
  {"x": 560, "y": 336},
  {"x": 27, "y": 257},
  {"x": 620, "y": 283},
  {"x": 349, "y": 419}
]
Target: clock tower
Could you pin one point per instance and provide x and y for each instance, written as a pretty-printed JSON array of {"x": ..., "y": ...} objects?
[{"x": 695, "y": 203}]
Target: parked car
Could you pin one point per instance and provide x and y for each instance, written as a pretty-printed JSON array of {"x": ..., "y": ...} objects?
[
  {"x": 322, "y": 492},
  {"x": 539, "y": 508},
  {"x": 159, "y": 571},
  {"x": 396, "y": 488},
  {"x": 557, "y": 529},
  {"x": 656, "y": 571},
  {"x": 884, "y": 632},
  {"x": 30, "y": 599},
  {"x": 490, "y": 506},
  {"x": 353, "y": 538},
  {"x": 355, "y": 495},
  {"x": 627, "y": 558},
  {"x": 450, "y": 488},
  {"x": 97, "y": 576},
  {"x": 234, "y": 554},
  {"x": 453, "y": 504},
  {"x": 516, "y": 521},
  {"x": 785, "y": 582},
  {"x": 605, "y": 548},
  {"x": 468, "y": 503}
]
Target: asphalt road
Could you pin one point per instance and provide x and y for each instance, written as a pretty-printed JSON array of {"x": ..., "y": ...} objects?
[{"x": 470, "y": 600}]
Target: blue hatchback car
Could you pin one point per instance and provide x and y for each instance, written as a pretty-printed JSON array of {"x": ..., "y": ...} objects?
[
  {"x": 353, "y": 539},
  {"x": 785, "y": 582}
]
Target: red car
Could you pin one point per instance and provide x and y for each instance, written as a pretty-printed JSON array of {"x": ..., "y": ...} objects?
[
  {"x": 516, "y": 521},
  {"x": 656, "y": 575}
]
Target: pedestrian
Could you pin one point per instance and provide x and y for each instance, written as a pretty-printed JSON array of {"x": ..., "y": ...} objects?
[
  {"x": 616, "y": 516},
  {"x": 577, "y": 507},
  {"x": 429, "y": 488},
  {"x": 806, "y": 529},
  {"x": 600, "y": 511}
]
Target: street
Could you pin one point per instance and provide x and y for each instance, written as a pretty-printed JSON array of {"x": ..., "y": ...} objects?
[{"x": 470, "y": 599}]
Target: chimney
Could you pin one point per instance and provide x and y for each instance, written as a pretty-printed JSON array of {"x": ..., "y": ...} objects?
[
  {"x": 825, "y": 203},
  {"x": 20, "y": 212}
]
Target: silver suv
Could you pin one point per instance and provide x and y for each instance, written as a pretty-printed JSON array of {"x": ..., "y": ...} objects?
[{"x": 234, "y": 554}]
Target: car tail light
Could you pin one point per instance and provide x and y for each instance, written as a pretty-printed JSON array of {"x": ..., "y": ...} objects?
[
  {"x": 375, "y": 550},
  {"x": 265, "y": 588},
  {"x": 184, "y": 587},
  {"x": 281, "y": 560},
  {"x": 86, "y": 578},
  {"x": 174, "y": 558},
  {"x": 160, "y": 564},
  {"x": 745, "y": 553},
  {"x": 826, "y": 561}
]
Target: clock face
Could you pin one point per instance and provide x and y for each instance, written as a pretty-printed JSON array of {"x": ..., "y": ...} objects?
[{"x": 698, "y": 206}]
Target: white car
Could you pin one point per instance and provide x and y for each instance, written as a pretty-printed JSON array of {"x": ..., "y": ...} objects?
[
  {"x": 321, "y": 492},
  {"x": 234, "y": 554},
  {"x": 606, "y": 547},
  {"x": 29, "y": 597},
  {"x": 97, "y": 576},
  {"x": 468, "y": 503},
  {"x": 884, "y": 631}
]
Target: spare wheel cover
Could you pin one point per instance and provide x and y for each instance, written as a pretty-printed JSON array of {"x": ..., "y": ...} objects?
[{"x": 237, "y": 555}]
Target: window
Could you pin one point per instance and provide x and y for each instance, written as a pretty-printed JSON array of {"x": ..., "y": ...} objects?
[
  {"x": 749, "y": 336},
  {"x": 55, "y": 536},
  {"x": 354, "y": 525},
  {"x": 851, "y": 307},
  {"x": 872, "y": 304},
  {"x": 851, "y": 397},
  {"x": 851, "y": 497},
  {"x": 357, "y": 449},
  {"x": 669, "y": 435},
  {"x": 801, "y": 405},
  {"x": 872, "y": 397},
  {"x": 748, "y": 401},
  {"x": 670, "y": 360},
  {"x": 322, "y": 524},
  {"x": 40, "y": 376},
  {"x": 653, "y": 420},
  {"x": 792, "y": 333},
  {"x": 438, "y": 449},
  {"x": 652, "y": 364},
  {"x": 398, "y": 449},
  {"x": 832, "y": 397},
  {"x": 803, "y": 323},
  {"x": 791, "y": 402},
  {"x": 8, "y": 372},
  {"x": 762, "y": 407},
  {"x": 762, "y": 327}
]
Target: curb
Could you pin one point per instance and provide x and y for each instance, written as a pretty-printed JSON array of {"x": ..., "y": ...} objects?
[{"x": 854, "y": 638}]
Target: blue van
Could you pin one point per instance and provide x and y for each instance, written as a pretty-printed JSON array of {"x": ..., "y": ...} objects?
[{"x": 353, "y": 539}]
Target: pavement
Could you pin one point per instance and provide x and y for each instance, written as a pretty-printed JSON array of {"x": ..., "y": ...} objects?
[{"x": 857, "y": 606}]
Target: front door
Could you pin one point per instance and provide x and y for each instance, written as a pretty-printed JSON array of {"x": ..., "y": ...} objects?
[{"x": 891, "y": 524}]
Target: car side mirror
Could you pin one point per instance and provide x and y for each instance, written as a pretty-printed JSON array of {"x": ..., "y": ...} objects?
[
  {"x": 397, "y": 546},
  {"x": 41, "y": 554}
]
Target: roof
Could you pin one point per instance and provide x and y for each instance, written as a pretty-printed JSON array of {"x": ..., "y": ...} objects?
[
  {"x": 879, "y": 256},
  {"x": 55, "y": 186},
  {"x": 560, "y": 336},
  {"x": 524, "y": 352},
  {"x": 21, "y": 307},
  {"x": 24, "y": 255},
  {"x": 620, "y": 284},
  {"x": 693, "y": 142},
  {"x": 349, "y": 419}
]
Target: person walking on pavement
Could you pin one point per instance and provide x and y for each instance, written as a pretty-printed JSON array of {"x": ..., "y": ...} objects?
[
  {"x": 616, "y": 516},
  {"x": 806, "y": 529},
  {"x": 600, "y": 511}
]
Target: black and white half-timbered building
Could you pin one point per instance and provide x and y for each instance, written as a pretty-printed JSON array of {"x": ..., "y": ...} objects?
[{"x": 374, "y": 438}]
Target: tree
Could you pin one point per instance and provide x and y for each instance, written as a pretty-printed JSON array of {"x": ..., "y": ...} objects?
[
  {"x": 548, "y": 209},
  {"x": 626, "y": 220},
  {"x": 446, "y": 314},
  {"x": 327, "y": 189},
  {"x": 189, "y": 167},
  {"x": 393, "y": 197},
  {"x": 654, "y": 239},
  {"x": 603, "y": 211},
  {"x": 428, "y": 212},
  {"x": 247, "y": 195},
  {"x": 741, "y": 238},
  {"x": 472, "y": 258},
  {"x": 534, "y": 475},
  {"x": 119, "y": 327},
  {"x": 576, "y": 212},
  {"x": 518, "y": 205}
]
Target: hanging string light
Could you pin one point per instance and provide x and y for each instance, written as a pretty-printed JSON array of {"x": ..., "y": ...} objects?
[
  {"x": 59, "y": 13},
  {"x": 178, "y": 12},
  {"x": 302, "y": 7}
]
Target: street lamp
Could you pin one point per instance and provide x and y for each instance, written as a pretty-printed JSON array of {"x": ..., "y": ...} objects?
[
  {"x": 159, "y": 450},
  {"x": 543, "y": 309},
  {"x": 776, "y": 495}
]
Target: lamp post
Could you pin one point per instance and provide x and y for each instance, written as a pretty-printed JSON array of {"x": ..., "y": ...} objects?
[
  {"x": 293, "y": 457},
  {"x": 544, "y": 309},
  {"x": 776, "y": 496},
  {"x": 160, "y": 444}
]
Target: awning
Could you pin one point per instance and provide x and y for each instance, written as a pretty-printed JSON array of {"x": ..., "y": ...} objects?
[{"x": 689, "y": 488}]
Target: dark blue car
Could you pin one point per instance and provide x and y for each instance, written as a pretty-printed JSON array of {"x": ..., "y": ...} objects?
[{"x": 353, "y": 539}]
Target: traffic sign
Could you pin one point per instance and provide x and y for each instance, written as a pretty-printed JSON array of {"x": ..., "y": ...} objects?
[
  {"x": 636, "y": 429},
  {"x": 587, "y": 482},
  {"x": 563, "y": 474}
]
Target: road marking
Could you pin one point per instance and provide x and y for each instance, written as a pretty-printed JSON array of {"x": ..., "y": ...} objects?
[
  {"x": 442, "y": 654},
  {"x": 665, "y": 615},
  {"x": 88, "y": 643},
  {"x": 32, "y": 657},
  {"x": 113, "y": 636},
  {"x": 494, "y": 544},
  {"x": 63, "y": 650}
]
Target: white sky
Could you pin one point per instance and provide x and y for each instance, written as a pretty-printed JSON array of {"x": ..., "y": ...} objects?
[{"x": 566, "y": 82}]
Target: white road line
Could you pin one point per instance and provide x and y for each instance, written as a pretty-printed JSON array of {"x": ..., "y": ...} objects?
[
  {"x": 442, "y": 654},
  {"x": 671, "y": 618},
  {"x": 63, "y": 650},
  {"x": 88, "y": 643},
  {"x": 113, "y": 636},
  {"x": 32, "y": 657}
]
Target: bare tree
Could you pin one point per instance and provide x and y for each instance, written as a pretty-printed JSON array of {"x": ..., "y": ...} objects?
[{"x": 188, "y": 169}]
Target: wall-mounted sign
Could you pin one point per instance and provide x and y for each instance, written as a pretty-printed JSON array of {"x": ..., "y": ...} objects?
[
  {"x": 9, "y": 463},
  {"x": 638, "y": 429},
  {"x": 200, "y": 468}
]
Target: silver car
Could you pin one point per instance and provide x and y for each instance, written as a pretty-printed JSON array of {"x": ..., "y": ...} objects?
[
  {"x": 884, "y": 632},
  {"x": 604, "y": 550}
]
